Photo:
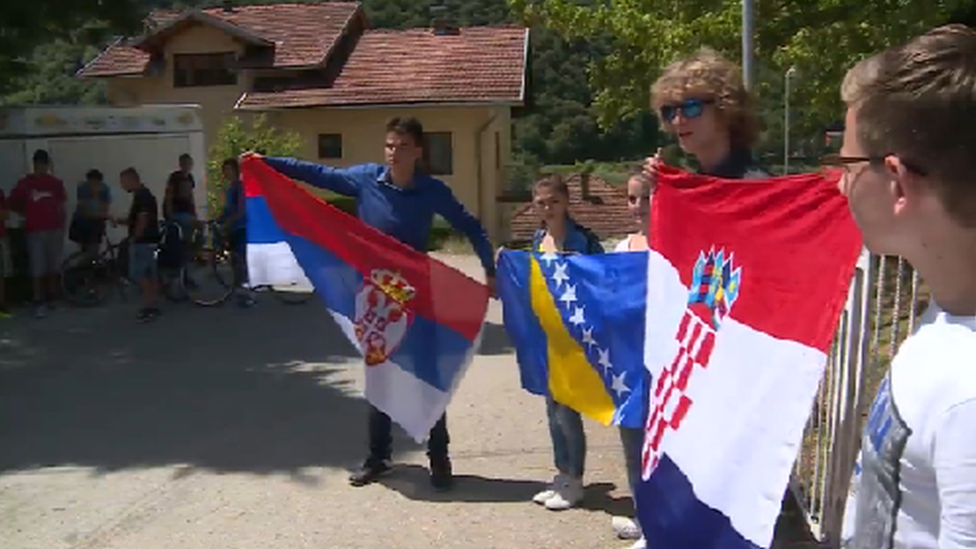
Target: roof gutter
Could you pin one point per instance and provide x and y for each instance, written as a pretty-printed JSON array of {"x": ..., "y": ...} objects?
[
  {"x": 418, "y": 105},
  {"x": 478, "y": 134},
  {"x": 525, "y": 66}
]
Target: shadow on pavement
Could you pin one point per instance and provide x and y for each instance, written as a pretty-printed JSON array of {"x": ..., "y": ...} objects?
[
  {"x": 412, "y": 482},
  {"x": 226, "y": 389},
  {"x": 494, "y": 340}
]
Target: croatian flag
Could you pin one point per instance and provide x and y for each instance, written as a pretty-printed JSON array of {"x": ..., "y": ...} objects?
[
  {"x": 416, "y": 321},
  {"x": 745, "y": 284}
]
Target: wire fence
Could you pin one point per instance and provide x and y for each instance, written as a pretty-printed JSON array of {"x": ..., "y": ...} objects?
[{"x": 883, "y": 305}]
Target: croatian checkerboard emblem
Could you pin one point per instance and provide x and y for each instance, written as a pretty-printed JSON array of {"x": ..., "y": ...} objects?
[
  {"x": 382, "y": 318},
  {"x": 715, "y": 288}
]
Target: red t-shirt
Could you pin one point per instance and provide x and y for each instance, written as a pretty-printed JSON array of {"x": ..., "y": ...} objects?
[
  {"x": 3, "y": 223},
  {"x": 41, "y": 199}
]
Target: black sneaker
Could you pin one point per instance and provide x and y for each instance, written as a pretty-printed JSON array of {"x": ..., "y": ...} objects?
[
  {"x": 371, "y": 470},
  {"x": 441, "y": 475},
  {"x": 147, "y": 315}
]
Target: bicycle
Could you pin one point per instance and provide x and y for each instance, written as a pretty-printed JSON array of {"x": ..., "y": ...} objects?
[
  {"x": 214, "y": 277},
  {"x": 209, "y": 274},
  {"x": 88, "y": 278}
]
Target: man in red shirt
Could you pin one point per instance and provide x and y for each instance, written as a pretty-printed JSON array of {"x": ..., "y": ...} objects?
[
  {"x": 3, "y": 257},
  {"x": 40, "y": 198}
]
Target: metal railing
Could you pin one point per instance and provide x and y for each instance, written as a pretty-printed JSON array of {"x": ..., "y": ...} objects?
[{"x": 882, "y": 308}]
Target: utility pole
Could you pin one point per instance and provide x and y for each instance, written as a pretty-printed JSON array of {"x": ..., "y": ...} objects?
[
  {"x": 790, "y": 74},
  {"x": 748, "y": 50}
]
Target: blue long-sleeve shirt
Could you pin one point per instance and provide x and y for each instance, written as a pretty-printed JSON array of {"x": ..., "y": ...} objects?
[{"x": 403, "y": 213}]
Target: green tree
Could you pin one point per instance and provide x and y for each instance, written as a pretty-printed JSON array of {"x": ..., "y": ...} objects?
[
  {"x": 822, "y": 38},
  {"x": 236, "y": 137},
  {"x": 27, "y": 24}
]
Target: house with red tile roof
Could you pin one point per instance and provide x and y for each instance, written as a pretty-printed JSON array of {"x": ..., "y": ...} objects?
[
  {"x": 321, "y": 71},
  {"x": 593, "y": 203}
]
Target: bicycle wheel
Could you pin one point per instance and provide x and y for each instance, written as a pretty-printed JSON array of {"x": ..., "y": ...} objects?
[
  {"x": 85, "y": 280},
  {"x": 171, "y": 285},
  {"x": 293, "y": 294},
  {"x": 209, "y": 277}
]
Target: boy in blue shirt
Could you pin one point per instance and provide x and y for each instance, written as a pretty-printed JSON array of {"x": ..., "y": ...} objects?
[
  {"x": 400, "y": 200},
  {"x": 234, "y": 220}
]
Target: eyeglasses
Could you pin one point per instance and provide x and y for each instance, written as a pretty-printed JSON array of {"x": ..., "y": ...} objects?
[
  {"x": 690, "y": 108},
  {"x": 832, "y": 163}
]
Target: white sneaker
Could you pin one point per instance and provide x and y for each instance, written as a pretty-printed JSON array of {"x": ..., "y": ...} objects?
[
  {"x": 542, "y": 497},
  {"x": 626, "y": 528},
  {"x": 639, "y": 544},
  {"x": 568, "y": 494}
]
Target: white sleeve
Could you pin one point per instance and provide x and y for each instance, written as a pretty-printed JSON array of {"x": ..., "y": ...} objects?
[
  {"x": 954, "y": 458},
  {"x": 623, "y": 245}
]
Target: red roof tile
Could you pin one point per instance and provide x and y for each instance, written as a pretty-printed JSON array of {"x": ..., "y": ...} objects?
[
  {"x": 303, "y": 34},
  {"x": 476, "y": 65},
  {"x": 605, "y": 212}
]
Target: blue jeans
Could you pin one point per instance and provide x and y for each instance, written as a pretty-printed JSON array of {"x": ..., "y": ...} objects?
[
  {"x": 633, "y": 442},
  {"x": 568, "y": 438},
  {"x": 142, "y": 261}
]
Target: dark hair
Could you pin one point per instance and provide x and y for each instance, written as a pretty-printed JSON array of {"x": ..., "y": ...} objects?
[
  {"x": 411, "y": 127},
  {"x": 407, "y": 126},
  {"x": 186, "y": 156},
  {"x": 41, "y": 157},
  {"x": 131, "y": 172},
  {"x": 94, "y": 174},
  {"x": 553, "y": 182},
  {"x": 232, "y": 162},
  {"x": 556, "y": 184}
]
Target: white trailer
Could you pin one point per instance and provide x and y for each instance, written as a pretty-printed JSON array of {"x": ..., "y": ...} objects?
[{"x": 109, "y": 139}]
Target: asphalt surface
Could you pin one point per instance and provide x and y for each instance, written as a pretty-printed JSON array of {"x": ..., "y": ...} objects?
[{"x": 227, "y": 428}]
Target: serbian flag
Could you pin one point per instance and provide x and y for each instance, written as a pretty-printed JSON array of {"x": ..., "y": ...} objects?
[
  {"x": 416, "y": 321},
  {"x": 745, "y": 284}
]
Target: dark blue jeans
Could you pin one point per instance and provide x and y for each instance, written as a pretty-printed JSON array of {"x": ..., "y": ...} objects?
[{"x": 381, "y": 437}]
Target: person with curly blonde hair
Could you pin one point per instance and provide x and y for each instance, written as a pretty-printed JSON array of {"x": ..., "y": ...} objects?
[{"x": 703, "y": 101}]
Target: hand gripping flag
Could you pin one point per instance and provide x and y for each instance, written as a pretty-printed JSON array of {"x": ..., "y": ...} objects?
[
  {"x": 746, "y": 282},
  {"x": 577, "y": 323},
  {"x": 416, "y": 321}
]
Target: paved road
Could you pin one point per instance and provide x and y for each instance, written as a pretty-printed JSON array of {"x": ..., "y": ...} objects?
[{"x": 226, "y": 428}]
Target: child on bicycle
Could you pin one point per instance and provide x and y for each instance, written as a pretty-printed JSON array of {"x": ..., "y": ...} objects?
[{"x": 234, "y": 221}]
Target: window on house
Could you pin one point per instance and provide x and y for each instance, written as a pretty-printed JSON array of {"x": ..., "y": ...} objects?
[
  {"x": 330, "y": 145},
  {"x": 204, "y": 69},
  {"x": 440, "y": 153}
]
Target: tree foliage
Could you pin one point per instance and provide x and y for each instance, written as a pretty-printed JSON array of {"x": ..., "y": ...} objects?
[
  {"x": 236, "y": 137},
  {"x": 822, "y": 38},
  {"x": 558, "y": 126},
  {"x": 24, "y": 25}
]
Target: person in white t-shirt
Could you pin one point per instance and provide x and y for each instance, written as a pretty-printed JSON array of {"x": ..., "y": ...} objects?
[
  {"x": 909, "y": 173},
  {"x": 639, "y": 195}
]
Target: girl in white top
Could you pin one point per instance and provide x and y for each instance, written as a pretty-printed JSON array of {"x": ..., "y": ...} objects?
[{"x": 639, "y": 195}]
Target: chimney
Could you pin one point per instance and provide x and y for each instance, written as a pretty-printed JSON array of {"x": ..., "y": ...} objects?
[
  {"x": 440, "y": 22},
  {"x": 228, "y": 6}
]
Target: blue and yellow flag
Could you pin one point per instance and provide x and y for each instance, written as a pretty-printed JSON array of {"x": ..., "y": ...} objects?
[{"x": 577, "y": 322}]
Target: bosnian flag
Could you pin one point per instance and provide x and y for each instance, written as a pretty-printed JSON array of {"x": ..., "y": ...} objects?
[
  {"x": 416, "y": 321},
  {"x": 745, "y": 284}
]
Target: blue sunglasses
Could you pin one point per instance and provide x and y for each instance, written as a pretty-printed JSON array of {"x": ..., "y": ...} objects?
[{"x": 690, "y": 108}]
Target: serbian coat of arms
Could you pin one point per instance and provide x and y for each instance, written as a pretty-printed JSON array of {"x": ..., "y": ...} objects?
[{"x": 382, "y": 318}]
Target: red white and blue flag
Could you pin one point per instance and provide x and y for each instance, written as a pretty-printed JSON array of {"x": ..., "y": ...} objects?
[
  {"x": 746, "y": 282},
  {"x": 416, "y": 321}
]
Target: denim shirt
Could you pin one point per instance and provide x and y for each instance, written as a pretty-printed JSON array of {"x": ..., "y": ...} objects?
[{"x": 577, "y": 240}]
